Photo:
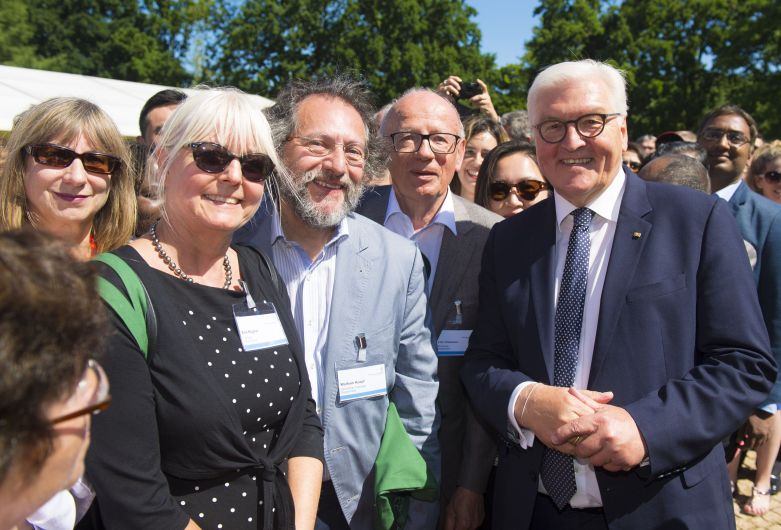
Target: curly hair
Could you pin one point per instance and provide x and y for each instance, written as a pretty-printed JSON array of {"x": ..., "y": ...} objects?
[
  {"x": 53, "y": 322},
  {"x": 63, "y": 120},
  {"x": 283, "y": 115}
]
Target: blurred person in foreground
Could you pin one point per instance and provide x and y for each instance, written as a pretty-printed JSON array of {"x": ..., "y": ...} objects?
[
  {"x": 50, "y": 383},
  {"x": 765, "y": 170},
  {"x": 481, "y": 135},
  {"x": 214, "y": 427},
  {"x": 510, "y": 180},
  {"x": 67, "y": 173},
  {"x": 607, "y": 332}
]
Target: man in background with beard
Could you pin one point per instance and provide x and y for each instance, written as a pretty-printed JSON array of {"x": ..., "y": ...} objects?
[{"x": 357, "y": 292}]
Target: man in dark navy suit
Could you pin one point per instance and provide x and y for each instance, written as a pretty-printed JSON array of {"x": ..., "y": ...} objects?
[{"x": 619, "y": 337}]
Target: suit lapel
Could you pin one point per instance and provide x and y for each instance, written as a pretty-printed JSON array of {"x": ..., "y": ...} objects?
[
  {"x": 353, "y": 269},
  {"x": 624, "y": 256},
  {"x": 451, "y": 266},
  {"x": 542, "y": 275}
]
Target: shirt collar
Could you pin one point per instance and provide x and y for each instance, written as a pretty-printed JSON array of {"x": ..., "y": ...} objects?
[
  {"x": 276, "y": 230},
  {"x": 727, "y": 192},
  {"x": 446, "y": 216},
  {"x": 606, "y": 205}
]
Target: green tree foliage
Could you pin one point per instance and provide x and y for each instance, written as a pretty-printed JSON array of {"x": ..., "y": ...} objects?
[
  {"x": 394, "y": 44},
  {"x": 682, "y": 57},
  {"x": 144, "y": 40}
]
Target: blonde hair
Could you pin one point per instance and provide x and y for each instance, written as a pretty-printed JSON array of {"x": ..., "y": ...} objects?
[
  {"x": 761, "y": 158},
  {"x": 64, "y": 119},
  {"x": 226, "y": 116}
]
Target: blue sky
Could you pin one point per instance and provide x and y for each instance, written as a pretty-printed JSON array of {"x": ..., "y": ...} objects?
[{"x": 505, "y": 26}]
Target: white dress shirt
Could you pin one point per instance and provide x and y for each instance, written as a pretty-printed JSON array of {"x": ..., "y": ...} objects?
[
  {"x": 729, "y": 190},
  {"x": 310, "y": 285},
  {"x": 428, "y": 238},
  {"x": 601, "y": 232}
]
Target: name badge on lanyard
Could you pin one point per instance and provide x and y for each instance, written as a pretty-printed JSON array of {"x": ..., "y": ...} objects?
[{"x": 258, "y": 325}]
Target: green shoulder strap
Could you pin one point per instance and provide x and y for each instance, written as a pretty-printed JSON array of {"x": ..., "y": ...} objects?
[{"x": 131, "y": 309}]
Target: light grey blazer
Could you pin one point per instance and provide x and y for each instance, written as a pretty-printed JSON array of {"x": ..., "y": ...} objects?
[
  {"x": 379, "y": 290},
  {"x": 468, "y": 448}
]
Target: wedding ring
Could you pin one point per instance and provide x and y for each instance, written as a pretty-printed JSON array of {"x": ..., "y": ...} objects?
[{"x": 575, "y": 440}]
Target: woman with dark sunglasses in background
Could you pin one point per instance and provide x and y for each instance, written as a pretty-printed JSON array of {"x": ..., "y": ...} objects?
[
  {"x": 510, "y": 180},
  {"x": 68, "y": 173},
  {"x": 765, "y": 170},
  {"x": 52, "y": 325},
  {"x": 203, "y": 427}
]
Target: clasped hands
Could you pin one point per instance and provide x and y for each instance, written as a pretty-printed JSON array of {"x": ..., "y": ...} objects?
[{"x": 581, "y": 423}]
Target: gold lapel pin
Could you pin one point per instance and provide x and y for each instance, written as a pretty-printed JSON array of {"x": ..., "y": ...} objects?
[{"x": 636, "y": 235}]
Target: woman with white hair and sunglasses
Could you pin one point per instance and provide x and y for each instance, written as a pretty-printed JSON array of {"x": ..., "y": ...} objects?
[{"x": 215, "y": 426}]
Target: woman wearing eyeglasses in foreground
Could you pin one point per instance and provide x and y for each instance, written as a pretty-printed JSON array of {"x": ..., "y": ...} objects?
[
  {"x": 202, "y": 429},
  {"x": 67, "y": 173},
  {"x": 765, "y": 170},
  {"x": 49, "y": 386},
  {"x": 510, "y": 180}
]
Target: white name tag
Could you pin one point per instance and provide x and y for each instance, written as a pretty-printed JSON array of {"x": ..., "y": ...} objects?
[
  {"x": 259, "y": 327},
  {"x": 359, "y": 383},
  {"x": 453, "y": 342}
]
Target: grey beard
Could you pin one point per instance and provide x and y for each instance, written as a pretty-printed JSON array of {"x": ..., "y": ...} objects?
[{"x": 306, "y": 209}]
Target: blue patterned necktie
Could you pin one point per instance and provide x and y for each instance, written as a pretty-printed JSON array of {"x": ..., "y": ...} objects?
[{"x": 558, "y": 473}]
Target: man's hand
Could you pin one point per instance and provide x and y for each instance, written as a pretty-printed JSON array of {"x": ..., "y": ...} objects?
[
  {"x": 465, "y": 511},
  {"x": 608, "y": 438},
  {"x": 757, "y": 429},
  {"x": 547, "y": 408}
]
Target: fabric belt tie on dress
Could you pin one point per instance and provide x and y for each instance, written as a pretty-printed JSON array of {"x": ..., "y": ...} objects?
[{"x": 276, "y": 495}]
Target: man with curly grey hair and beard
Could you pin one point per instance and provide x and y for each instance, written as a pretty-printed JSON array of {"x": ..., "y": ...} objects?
[{"x": 357, "y": 293}]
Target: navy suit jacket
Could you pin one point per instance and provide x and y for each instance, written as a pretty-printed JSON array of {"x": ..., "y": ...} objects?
[
  {"x": 680, "y": 342},
  {"x": 759, "y": 220}
]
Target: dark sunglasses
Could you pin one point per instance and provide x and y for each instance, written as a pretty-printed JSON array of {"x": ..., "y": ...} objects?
[
  {"x": 772, "y": 176},
  {"x": 58, "y": 156},
  {"x": 214, "y": 158},
  {"x": 527, "y": 189}
]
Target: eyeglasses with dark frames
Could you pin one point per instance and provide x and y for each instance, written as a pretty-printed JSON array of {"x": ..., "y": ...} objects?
[
  {"x": 410, "y": 142},
  {"x": 713, "y": 135},
  {"x": 354, "y": 154},
  {"x": 526, "y": 189},
  {"x": 54, "y": 155},
  {"x": 587, "y": 126},
  {"x": 214, "y": 158},
  {"x": 96, "y": 402}
]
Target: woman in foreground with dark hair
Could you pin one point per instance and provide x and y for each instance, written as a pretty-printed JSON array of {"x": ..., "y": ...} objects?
[{"x": 49, "y": 384}]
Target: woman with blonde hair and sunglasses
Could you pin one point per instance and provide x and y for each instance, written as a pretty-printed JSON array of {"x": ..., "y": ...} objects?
[
  {"x": 510, "y": 180},
  {"x": 68, "y": 173},
  {"x": 765, "y": 171},
  {"x": 214, "y": 427}
]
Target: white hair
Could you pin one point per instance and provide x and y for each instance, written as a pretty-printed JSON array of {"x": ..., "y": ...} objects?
[
  {"x": 224, "y": 115},
  {"x": 578, "y": 71}
]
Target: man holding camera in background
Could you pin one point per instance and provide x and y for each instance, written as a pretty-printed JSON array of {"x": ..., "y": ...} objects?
[{"x": 476, "y": 92}]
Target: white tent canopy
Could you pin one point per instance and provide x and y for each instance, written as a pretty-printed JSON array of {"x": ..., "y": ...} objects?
[{"x": 20, "y": 88}]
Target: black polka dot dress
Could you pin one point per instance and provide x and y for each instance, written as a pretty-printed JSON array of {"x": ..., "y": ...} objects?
[{"x": 217, "y": 408}]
